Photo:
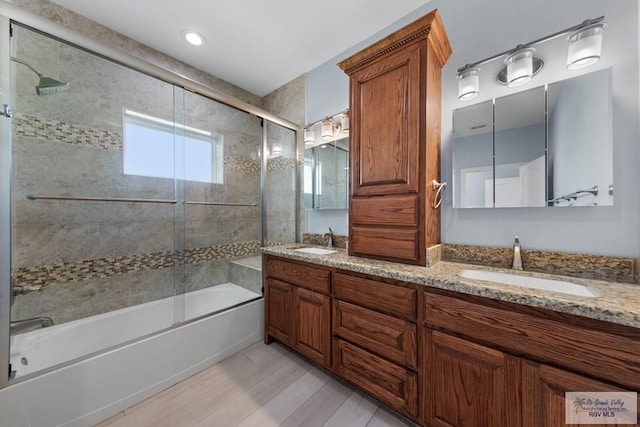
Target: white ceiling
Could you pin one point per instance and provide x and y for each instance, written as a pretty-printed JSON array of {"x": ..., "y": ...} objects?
[{"x": 258, "y": 45}]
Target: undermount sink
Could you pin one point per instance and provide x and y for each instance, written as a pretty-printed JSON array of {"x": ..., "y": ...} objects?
[
  {"x": 530, "y": 282},
  {"x": 316, "y": 251}
]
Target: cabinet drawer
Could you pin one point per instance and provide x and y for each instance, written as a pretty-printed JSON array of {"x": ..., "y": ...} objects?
[
  {"x": 387, "y": 336},
  {"x": 395, "y": 300},
  {"x": 613, "y": 358},
  {"x": 396, "y": 211},
  {"x": 306, "y": 276},
  {"x": 392, "y": 384},
  {"x": 393, "y": 244}
]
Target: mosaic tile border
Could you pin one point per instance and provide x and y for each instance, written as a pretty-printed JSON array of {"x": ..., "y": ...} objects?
[
  {"x": 112, "y": 266},
  {"x": 333, "y": 182},
  {"x": 280, "y": 164},
  {"x": 617, "y": 269},
  {"x": 241, "y": 164},
  {"x": 58, "y": 131}
]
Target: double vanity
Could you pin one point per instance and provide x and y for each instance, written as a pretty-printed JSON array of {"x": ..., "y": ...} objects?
[
  {"x": 447, "y": 343},
  {"x": 452, "y": 344}
]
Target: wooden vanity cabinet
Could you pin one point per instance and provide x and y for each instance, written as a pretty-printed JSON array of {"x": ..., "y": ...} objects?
[
  {"x": 394, "y": 140},
  {"x": 375, "y": 338},
  {"x": 298, "y": 307},
  {"x": 443, "y": 358},
  {"x": 514, "y": 363}
]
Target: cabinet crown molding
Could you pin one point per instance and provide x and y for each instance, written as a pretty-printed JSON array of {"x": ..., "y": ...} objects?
[{"x": 428, "y": 27}]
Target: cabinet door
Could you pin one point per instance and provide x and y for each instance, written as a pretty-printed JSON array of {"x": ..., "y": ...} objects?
[
  {"x": 543, "y": 394},
  {"x": 386, "y": 123},
  {"x": 313, "y": 326},
  {"x": 279, "y": 311},
  {"x": 468, "y": 384}
]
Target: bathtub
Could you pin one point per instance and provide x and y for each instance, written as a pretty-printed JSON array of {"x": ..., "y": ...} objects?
[{"x": 94, "y": 388}]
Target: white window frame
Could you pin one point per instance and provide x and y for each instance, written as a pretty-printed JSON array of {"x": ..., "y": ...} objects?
[{"x": 181, "y": 136}]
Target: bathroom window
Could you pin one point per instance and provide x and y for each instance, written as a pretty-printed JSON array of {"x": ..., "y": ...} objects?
[{"x": 160, "y": 148}]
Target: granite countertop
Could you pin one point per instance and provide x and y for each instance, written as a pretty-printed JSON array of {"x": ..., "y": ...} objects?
[{"x": 615, "y": 302}]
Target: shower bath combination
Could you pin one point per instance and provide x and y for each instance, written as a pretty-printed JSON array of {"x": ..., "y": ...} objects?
[
  {"x": 46, "y": 85},
  {"x": 110, "y": 266}
]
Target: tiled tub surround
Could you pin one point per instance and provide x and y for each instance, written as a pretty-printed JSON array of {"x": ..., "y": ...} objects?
[
  {"x": 616, "y": 302},
  {"x": 72, "y": 291},
  {"x": 93, "y": 257}
]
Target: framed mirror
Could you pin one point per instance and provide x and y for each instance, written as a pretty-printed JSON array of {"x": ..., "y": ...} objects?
[
  {"x": 326, "y": 175},
  {"x": 548, "y": 146}
]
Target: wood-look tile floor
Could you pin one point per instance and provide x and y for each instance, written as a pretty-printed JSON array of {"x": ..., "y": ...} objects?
[{"x": 259, "y": 386}]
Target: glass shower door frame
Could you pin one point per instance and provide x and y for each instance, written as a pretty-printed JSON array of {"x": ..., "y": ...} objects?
[{"x": 5, "y": 201}]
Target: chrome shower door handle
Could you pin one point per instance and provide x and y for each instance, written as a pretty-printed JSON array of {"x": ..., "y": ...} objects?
[{"x": 439, "y": 188}]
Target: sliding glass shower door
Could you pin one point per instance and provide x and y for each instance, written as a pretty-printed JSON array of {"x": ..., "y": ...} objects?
[
  {"x": 136, "y": 205},
  {"x": 93, "y": 201},
  {"x": 220, "y": 186}
]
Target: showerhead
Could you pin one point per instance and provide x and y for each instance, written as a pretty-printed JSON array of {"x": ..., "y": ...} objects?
[{"x": 47, "y": 85}]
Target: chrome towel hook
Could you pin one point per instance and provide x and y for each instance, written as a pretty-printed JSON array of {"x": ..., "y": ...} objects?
[{"x": 439, "y": 188}]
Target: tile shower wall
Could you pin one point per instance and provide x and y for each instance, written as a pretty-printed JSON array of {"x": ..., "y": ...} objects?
[
  {"x": 93, "y": 257},
  {"x": 280, "y": 189},
  {"x": 288, "y": 102}
]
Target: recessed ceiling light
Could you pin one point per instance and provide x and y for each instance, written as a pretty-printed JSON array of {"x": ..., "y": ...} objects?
[{"x": 194, "y": 38}]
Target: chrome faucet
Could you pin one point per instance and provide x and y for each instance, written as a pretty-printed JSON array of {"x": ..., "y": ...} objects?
[
  {"x": 21, "y": 325},
  {"x": 517, "y": 258},
  {"x": 330, "y": 235}
]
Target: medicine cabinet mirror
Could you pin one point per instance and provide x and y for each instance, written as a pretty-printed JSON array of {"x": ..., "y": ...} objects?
[
  {"x": 547, "y": 146},
  {"x": 326, "y": 175}
]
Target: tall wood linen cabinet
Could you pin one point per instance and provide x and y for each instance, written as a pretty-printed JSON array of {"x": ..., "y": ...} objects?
[{"x": 395, "y": 87}]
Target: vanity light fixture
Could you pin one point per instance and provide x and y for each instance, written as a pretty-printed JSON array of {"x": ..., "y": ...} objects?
[
  {"x": 193, "y": 37},
  {"x": 331, "y": 128},
  {"x": 468, "y": 83},
  {"x": 326, "y": 128},
  {"x": 309, "y": 135},
  {"x": 585, "y": 47},
  {"x": 344, "y": 122},
  {"x": 519, "y": 66}
]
